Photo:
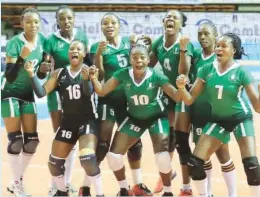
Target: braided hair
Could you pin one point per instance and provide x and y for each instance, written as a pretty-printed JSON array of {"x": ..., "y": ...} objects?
[
  {"x": 139, "y": 46},
  {"x": 211, "y": 25},
  {"x": 111, "y": 14},
  {"x": 30, "y": 9},
  {"x": 237, "y": 44},
  {"x": 62, "y": 7}
]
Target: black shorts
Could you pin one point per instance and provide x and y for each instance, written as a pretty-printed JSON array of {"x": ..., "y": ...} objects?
[{"x": 71, "y": 131}]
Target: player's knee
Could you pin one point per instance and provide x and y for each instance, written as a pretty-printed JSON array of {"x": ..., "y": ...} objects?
[
  {"x": 135, "y": 152},
  {"x": 31, "y": 141},
  {"x": 115, "y": 161},
  {"x": 196, "y": 168},
  {"x": 172, "y": 140},
  {"x": 182, "y": 146},
  {"x": 102, "y": 150},
  {"x": 163, "y": 162},
  {"x": 56, "y": 165},
  {"x": 88, "y": 161},
  {"x": 252, "y": 170},
  {"x": 15, "y": 144}
]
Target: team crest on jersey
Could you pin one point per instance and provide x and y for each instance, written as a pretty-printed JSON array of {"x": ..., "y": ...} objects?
[
  {"x": 150, "y": 86},
  {"x": 176, "y": 51},
  {"x": 209, "y": 75},
  {"x": 62, "y": 78},
  {"x": 232, "y": 78},
  {"x": 60, "y": 45}
]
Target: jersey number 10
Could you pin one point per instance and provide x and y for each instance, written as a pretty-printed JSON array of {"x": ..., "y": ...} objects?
[{"x": 140, "y": 100}]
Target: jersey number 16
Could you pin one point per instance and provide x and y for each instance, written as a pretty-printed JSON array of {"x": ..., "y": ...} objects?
[{"x": 74, "y": 91}]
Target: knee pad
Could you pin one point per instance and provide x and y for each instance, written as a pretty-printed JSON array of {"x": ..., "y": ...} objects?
[
  {"x": 102, "y": 150},
  {"x": 163, "y": 162},
  {"x": 56, "y": 166},
  {"x": 31, "y": 142},
  {"x": 115, "y": 161},
  {"x": 135, "y": 152},
  {"x": 252, "y": 170},
  {"x": 196, "y": 168},
  {"x": 182, "y": 146},
  {"x": 88, "y": 161},
  {"x": 15, "y": 144},
  {"x": 172, "y": 140}
]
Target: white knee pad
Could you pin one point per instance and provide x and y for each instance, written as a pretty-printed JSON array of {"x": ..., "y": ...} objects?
[
  {"x": 115, "y": 161},
  {"x": 163, "y": 162}
]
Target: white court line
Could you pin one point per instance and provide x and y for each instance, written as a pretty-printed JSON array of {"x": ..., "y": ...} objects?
[{"x": 36, "y": 166}]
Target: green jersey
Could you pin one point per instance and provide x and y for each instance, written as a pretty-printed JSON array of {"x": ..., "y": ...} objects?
[
  {"x": 225, "y": 91},
  {"x": 169, "y": 58},
  {"x": 201, "y": 109},
  {"x": 114, "y": 59},
  {"x": 21, "y": 88},
  {"x": 58, "y": 46},
  {"x": 144, "y": 99}
]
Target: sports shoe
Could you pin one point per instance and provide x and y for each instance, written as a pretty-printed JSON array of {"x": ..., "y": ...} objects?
[
  {"x": 159, "y": 185},
  {"x": 71, "y": 190},
  {"x": 141, "y": 190},
  {"x": 61, "y": 193},
  {"x": 52, "y": 191},
  {"x": 125, "y": 192},
  {"x": 17, "y": 189},
  {"x": 84, "y": 191},
  {"x": 167, "y": 194},
  {"x": 186, "y": 193}
]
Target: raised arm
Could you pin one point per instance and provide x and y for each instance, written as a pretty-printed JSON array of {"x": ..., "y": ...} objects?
[
  {"x": 196, "y": 90},
  {"x": 102, "y": 90},
  {"x": 47, "y": 87},
  {"x": 172, "y": 92},
  {"x": 185, "y": 59},
  {"x": 13, "y": 64},
  {"x": 253, "y": 96},
  {"x": 87, "y": 85}
]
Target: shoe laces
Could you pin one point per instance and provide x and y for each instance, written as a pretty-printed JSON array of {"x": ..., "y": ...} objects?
[{"x": 144, "y": 187}]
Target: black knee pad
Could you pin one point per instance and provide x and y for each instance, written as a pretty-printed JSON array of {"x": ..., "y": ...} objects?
[
  {"x": 135, "y": 152},
  {"x": 89, "y": 163},
  {"x": 195, "y": 168},
  {"x": 56, "y": 166},
  {"x": 252, "y": 170},
  {"x": 31, "y": 142},
  {"x": 182, "y": 146},
  {"x": 15, "y": 144},
  {"x": 102, "y": 150},
  {"x": 172, "y": 140}
]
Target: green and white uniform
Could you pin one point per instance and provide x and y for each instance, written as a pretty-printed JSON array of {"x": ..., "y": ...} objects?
[
  {"x": 200, "y": 110},
  {"x": 230, "y": 110},
  {"x": 17, "y": 98},
  {"x": 169, "y": 59},
  {"x": 145, "y": 107},
  {"x": 114, "y": 59},
  {"x": 58, "y": 47}
]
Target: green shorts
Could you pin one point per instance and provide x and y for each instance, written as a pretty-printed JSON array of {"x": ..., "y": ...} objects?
[
  {"x": 54, "y": 101},
  {"x": 158, "y": 126},
  {"x": 169, "y": 103},
  {"x": 107, "y": 112},
  {"x": 181, "y": 107},
  {"x": 13, "y": 107},
  {"x": 196, "y": 133},
  {"x": 244, "y": 129}
]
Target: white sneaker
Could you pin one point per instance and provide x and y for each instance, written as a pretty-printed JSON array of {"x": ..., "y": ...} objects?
[
  {"x": 18, "y": 190},
  {"x": 71, "y": 190},
  {"x": 52, "y": 191}
]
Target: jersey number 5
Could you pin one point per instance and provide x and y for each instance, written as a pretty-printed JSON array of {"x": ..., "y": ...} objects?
[
  {"x": 74, "y": 91},
  {"x": 122, "y": 61},
  {"x": 220, "y": 91}
]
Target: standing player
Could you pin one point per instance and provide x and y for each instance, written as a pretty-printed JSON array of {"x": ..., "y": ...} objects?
[
  {"x": 79, "y": 118},
  {"x": 57, "y": 45},
  {"x": 200, "y": 111},
  {"x": 224, "y": 80},
  {"x": 174, "y": 53},
  {"x": 17, "y": 100},
  {"x": 110, "y": 56},
  {"x": 142, "y": 87}
]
